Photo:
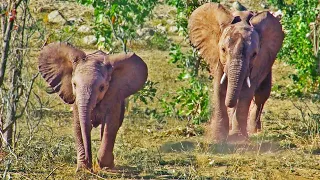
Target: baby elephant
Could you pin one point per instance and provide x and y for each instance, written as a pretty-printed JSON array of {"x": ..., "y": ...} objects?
[
  {"x": 96, "y": 84},
  {"x": 240, "y": 48}
]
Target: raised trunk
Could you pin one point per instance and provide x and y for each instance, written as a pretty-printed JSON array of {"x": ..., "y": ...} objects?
[
  {"x": 85, "y": 124},
  {"x": 237, "y": 72}
]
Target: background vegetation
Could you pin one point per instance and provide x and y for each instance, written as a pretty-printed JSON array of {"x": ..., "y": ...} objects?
[
  {"x": 162, "y": 135},
  {"x": 301, "y": 45}
]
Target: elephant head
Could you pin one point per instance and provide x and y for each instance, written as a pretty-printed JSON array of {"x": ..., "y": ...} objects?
[
  {"x": 238, "y": 43},
  {"x": 89, "y": 81}
]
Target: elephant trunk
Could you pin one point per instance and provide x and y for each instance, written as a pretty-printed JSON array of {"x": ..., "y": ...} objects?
[
  {"x": 236, "y": 76},
  {"x": 84, "y": 108}
]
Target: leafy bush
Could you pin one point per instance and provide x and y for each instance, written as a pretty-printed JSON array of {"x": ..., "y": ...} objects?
[
  {"x": 159, "y": 41},
  {"x": 118, "y": 20},
  {"x": 184, "y": 10},
  {"x": 297, "y": 47},
  {"x": 148, "y": 92},
  {"x": 192, "y": 101}
]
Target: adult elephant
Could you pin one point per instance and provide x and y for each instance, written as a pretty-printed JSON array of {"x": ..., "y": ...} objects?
[
  {"x": 240, "y": 48},
  {"x": 96, "y": 84}
]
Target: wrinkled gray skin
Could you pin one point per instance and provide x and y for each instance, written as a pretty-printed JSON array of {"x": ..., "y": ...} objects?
[
  {"x": 90, "y": 82},
  {"x": 240, "y": 49},
  {"x": 236, "y": 56},
  {"x": 96, "y": 85}
]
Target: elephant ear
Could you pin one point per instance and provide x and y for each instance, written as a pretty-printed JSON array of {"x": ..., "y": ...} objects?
[
  {"x": 129, "y": 74},
  {"x": 206, "y": 25},
  {"x": 56, "y": 63},
  {"x": 271, "y": 35}
]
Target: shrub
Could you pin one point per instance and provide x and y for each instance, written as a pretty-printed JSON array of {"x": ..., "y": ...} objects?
[{"x": 297, "y": 47}]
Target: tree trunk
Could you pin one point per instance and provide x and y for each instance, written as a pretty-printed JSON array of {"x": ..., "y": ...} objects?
[
  {"x": 16, "y": 67},
  {"x": 11, "y": 109},
  {"x": 6, "y": 42}
]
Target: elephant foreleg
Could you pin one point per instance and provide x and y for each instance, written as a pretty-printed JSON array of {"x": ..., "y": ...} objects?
[
  {"x": 230, "y": 115},
  {"x": 240, "y": 116},
  {"x": 81, "y": 158},
  {"x": 219, "y": 123},
  {"x": 260, "y": 97},
  {"x": 109, "y": 130}
]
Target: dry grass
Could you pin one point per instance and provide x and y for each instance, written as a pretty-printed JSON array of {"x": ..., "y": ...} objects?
[{"x": 147, "y": 148}]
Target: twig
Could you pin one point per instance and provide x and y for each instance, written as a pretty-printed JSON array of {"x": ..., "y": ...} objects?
[
  {"x": 25, "y": 105},
  {"x": 45, "y": 42},
  {"x": 6, "y": 170},
  {"x": 28, "y": 96},
  {"x": 300, "y": 109},
  {"x": 8, "y": 145},
  {"x": 54, "y": 170},
  {"x": 3, "y": 7},
  {"x": 124, "y": 46}
]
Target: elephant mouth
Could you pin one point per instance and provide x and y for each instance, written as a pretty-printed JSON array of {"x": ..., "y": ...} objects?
[
  {"x": 237, "y": 78},
  {"x": 96, "y": 119},
  {"x": 96, "y": 122},
  {"x": 224, "y": 77}
]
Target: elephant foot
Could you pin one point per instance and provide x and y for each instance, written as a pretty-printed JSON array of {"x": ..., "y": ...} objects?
[
  {"x": 254, "y": 131},
  {"x": 214, "y": 135},
  {"x": 216, "y": 138},
  {"x": 237, "y": 137},
  {"x": 106, "y": 162},
  {"x": 83, "y": 166}
]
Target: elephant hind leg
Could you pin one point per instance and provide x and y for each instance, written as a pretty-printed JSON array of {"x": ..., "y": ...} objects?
[{"x": 260, "y": 97}]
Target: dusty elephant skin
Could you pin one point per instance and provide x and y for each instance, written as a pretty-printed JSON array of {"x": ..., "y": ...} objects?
[
  {"x": 96, "y": 84},
  {"x": 240, "y": 48}
]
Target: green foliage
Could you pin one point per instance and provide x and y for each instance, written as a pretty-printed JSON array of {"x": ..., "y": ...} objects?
[
  {"x": 159, "y": 41},
  {"x": 297, "y": 47},
  {"x": 184, "y": 10},
  {"x": 148, "y": 92},
  {"x": 192, "y": 101},
  {"x": 64, "y": 34},
  {"x": 118, "y": 20}
]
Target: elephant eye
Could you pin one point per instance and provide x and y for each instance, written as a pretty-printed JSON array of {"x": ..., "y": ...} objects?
[
  {"x": 223, "y": 50},
  {"x": 254, "y": 55},
  {"x": 74, "y": 85},
  {"x": 101, "y": 88}
]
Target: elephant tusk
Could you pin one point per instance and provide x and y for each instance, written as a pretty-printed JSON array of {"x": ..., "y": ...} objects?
[
  {"x": 248, "y": 82},
  {"x": 223, "y": 78}
]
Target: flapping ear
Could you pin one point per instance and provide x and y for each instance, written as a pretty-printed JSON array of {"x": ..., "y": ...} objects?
[
  {"x": 128, "y": 76},
  {"x": 56, "y": 63},
  {"x": 271, "y": 35},
  {"x": 206, "y": 25}
]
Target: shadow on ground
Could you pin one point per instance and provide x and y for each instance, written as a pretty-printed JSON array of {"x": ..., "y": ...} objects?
[{"x": 220, "y": 148}]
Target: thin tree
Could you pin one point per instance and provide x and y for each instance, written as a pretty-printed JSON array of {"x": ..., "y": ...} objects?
[{"x": 15, "y": 40}]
